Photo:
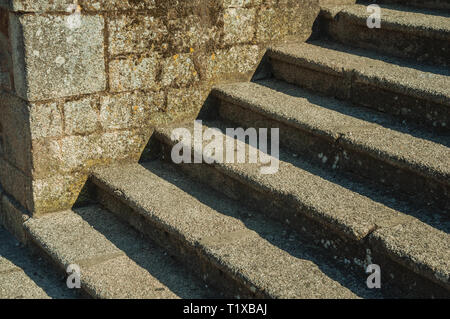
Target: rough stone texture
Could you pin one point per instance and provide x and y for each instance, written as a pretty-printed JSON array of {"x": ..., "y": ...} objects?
[
  {"x": 184, "y": 102},
  {"x": 413, "y": 92},
  {"x": 17, "y": 184},
  {"x": 81, "y": 116},
  {"x": 340, "y": 206},
  {"x": 210, "y": 231},
  {"x": 46, "y": 119},
  {"x": 42, "y": 6},
  {"x": 297, "y": 187},
  {"x": 369, "y": 144},
  {"x": 411, "y": 34},
  {"x": 134, "y": 73},
  {"x": 6, "y": 68},
  {"x": 236, "y": 62},
  {"x": 53, "y": 60},
  {"x": 15, "y": 129},
  {"x": 273, "y": 24},
  {"x": 115, "y": 261},
  {"x": 408, "y": 242},
  {"x": 129, "y": 110},
  {"x": 429, "y": 4},
  {"x": 12, "y": 217},
  {"x": 179, "y": 71},
  {"x": 239, "y": 25},
  {"x": 52, "y": 192},
  {"x": 135, "y": 33},
  {"x": 96, "y": 82},
  {"x": 23, "y": 276}
]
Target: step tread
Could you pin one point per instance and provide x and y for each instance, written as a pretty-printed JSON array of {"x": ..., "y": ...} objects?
[
  {"x": 23, "y": 276},
  {"x": 339, "y": 60},
  {"x": 435, "y": 5},
  {"x": 348, "y": 212},
  {"x": 338, "y": 120},
  {"x": 397, "y": 18},
  {"x": 244, "y": 243},
  {"x": 115, "y": 261}
]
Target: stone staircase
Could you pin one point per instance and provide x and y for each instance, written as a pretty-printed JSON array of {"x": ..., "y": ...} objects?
[
  {"x": 364, "y": 178},
  {"x": 24, "y": 276}
]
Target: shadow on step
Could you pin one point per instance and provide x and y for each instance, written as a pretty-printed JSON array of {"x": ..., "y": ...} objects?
[
  {"x": 369, "y": 115},
  {"x": 18, "y": 259},
  {"x": 171, "y": 274},
  {"x": 273, "y": 232},
  {"x": 384, "y": 195},
  {"x": 382, "y": 57},
  {"x": 407, "y": 8}
]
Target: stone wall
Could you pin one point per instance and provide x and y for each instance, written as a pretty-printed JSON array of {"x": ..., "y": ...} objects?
[{"x": 85, "y": 84}]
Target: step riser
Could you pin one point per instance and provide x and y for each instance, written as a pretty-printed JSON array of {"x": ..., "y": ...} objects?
[
  {"x": 418, "y": 46},
  {"x": 298, "y": 217},
  {"x": 355, "y": 89},
  {"x": 195, "y": 258},
  {"x": 342, "y": 156}
]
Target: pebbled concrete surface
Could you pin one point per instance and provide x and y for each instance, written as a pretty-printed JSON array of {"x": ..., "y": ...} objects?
[
  {"x": 350, "y": 211},
  {"x": 347, "y": 212},
  {"x": 115, "y": 261},
  {"x": 250, "y": 251},
  {"x": 420, "y": 246},
  {"x": 366, "y": 132},
  {"x": 414, "y": 34},
  {"x": 338, "y": 60},
  {"x": 24, "y": 276},
  {"x": 411, "y": 21}
]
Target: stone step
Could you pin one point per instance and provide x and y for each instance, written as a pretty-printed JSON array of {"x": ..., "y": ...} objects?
[
  {"x": 406, "y": 91},
  {"x": 114, "y": 260},
  {"x": 348, "y": 217},
  {"x": 430, "y": 4},
  {"x": 415, "y": 34},
  {"x": 234, "y": 248},
  {"x": 24, "y": 276},
  {"x": 342, "y": 137}
]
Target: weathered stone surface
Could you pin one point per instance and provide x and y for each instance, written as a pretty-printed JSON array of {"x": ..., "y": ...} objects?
[
  {"x": 289, "y": 19},
  {"x": 115, "y": 261},
  {"x": 65, "y": 5},
  {"x": 185, "y": 103},
  {"x": 12, "y": 218},
  {"x": 22, "y": 275},
  {"x": 79, "y": 152},
  {"x": 193, "y": 33},
  {"x": 239, "y": 25},
  {"x": 135, "y": 33},
  {"x": 129, "y": 110},
  {"x": 16, "y": 183},
  {"x": 58, "y": 192},
  {"x": 15, "y": 130},
  {"x": 45, "y": 120},
  {"x": 134, "y": 73},
  {"x": 47, "y": 158},
  {"x": 113, "y": 5},
  {"x": 236, "y": 62},
  {"x": 91, "y": 85},
  {"x": 82, "y": 152},
  {"x": 179, "y": 70},
  {"x": 123, "y": 145},
  {"x": 81, "y": 116},
  {"x": 36, "y": 5},
  {"x": 56, "y": 57},
  {"x": 412, "y": 34},
  {"x": 241, "y": 3}
]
